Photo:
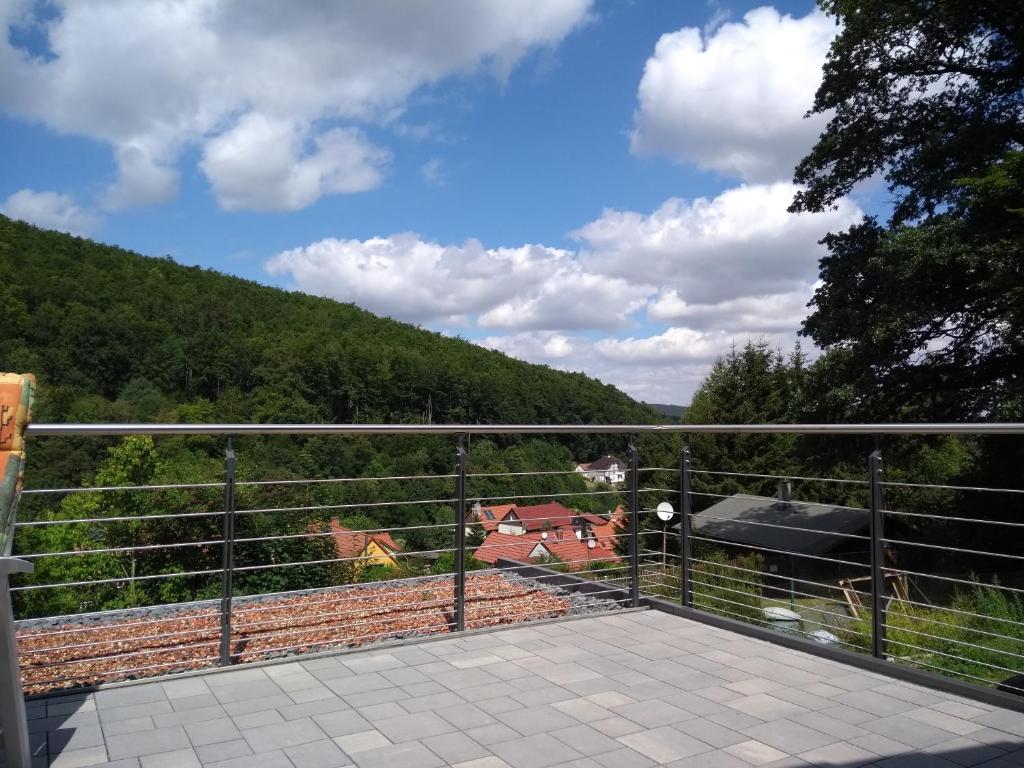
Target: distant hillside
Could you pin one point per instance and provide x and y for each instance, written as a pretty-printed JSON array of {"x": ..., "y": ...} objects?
[
  {"x": 116, "y": 336},
  {"x": 674, "y": 412}
]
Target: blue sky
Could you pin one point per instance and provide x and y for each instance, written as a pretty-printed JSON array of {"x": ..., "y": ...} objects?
[{"x": 552, "y": 182}]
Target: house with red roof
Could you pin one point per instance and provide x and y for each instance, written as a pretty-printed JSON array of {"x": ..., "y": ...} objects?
[
  {"x": 362, "y": 548},
  {"x": 486, "y": 518},
  {"x": 539, "y": 517},
  {"x": 551, "y": 532}
]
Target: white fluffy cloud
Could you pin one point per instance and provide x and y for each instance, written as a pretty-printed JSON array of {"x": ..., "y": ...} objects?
[
  {"x": 529, "y": 287},
  {"x": 733, "y": 101},
  {"x": 707, "y": 251},
  {"x": 773, "y": 313},
  {"x": 49, "y": 210},
  {"x": 259, "y": 164},
  {"x": 737, "y": 262},
  {"x": 672, "y": 346},
  {"x": 664, "y": 368},
  {"x": 541, "y": 346},
  {"x": 235, "y": 77},
  {"x": 711, "y": 270},
  {"x": 142, "y": 178}
]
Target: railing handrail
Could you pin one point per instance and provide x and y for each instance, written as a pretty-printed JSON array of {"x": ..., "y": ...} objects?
[{"x": 923, "y": 428}]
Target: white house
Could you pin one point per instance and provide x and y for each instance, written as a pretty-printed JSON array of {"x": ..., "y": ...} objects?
[{"x": 607, "y": 469}]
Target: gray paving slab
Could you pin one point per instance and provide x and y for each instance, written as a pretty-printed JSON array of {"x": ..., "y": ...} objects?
[
  {"x": 291, "y": 733},
  {"x": 275, "y": 759},
  {"x": 198, "y": 715},
  {"x": 533, "y": 720},
  {"x": 212, "y": 731},
  {"x": 538, "y": 751},
  {"x": 653, "y": 713},
  {"x": 411, "y": 727},
  {"x": 412, "y": 754},
  {"x": 586, "y": 740},
  {"x": 315, "y": 707},
  {"x": 579, "y": 694},
  {"x": 135, "y": 694},
  {"x": 311, "y": 694},
  {"x": 376, "y": 712},
  {"x": 789, "y": 737},
  {"x": 254, "y": 719},
  {"x": 132, "y": 725},
  {"x": 455, "y": 748},
  {"x": 712, "y": 733},
  {"x": 74, "y": 738},
  {"x": 317, "y": 754},
  {"x": 223, "y": 750},
  {"x": 128, "y": 712},
  {"x": 154, "y": 742},
  {"x": 79, "y": 758},
  {"x": 342, "y": 723},
  {"x": 664, "y": 744},
  {"x": 840, "y": 753},
  {"x": 197, "y": 701},
  {"x": 255, "y": 689},
  {"x": 491, "y": 734},
  {"x": 178, "y": 758},
  {"x": 380, "y": 696},
  {"x": 907, "y": 731}
]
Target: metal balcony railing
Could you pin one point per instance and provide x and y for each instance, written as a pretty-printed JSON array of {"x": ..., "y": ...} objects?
[{"x": 266, "y": 574}]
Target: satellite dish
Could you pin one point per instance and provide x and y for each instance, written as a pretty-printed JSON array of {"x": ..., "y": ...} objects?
[
  {"x": 544, "y": 534},
  {"x": 665, "y": 511},
  {"x": 591, "y": 543}
]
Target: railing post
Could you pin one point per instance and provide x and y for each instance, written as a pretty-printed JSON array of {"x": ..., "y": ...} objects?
[
  {"x": 12, "y": 698},
  {"x": 227, "y": 557},
  {"x": 685, "y": 545},
  {"x": 634, "y": 526},
  {"x": 460, "y": 536},
  {"x": 878, "y": 585}
]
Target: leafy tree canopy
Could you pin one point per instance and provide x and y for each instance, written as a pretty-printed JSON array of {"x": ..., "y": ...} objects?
[
  {"x": 927, "y": 321},
  {"x": 921, "y": 318},
  {"x": 922, "y": 91}
]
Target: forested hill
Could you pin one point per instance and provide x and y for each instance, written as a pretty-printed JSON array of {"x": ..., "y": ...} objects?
[{"x": 113, "y": 335}]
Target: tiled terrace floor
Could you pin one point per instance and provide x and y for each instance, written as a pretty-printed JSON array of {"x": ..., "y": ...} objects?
[{"x": 619, "y": 691}]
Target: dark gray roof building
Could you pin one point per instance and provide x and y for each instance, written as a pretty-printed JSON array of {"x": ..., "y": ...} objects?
[
  {"x": 806, "y": 528},
  {"x": 605, "y": 462}
]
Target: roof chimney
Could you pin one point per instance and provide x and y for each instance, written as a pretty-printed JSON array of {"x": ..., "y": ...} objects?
[{"x": 785, "y": 490}]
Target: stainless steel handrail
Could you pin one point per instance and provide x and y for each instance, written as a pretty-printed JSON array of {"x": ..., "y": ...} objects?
[
  {"x": 955, "y": 428},
  {"x": 633, "y": 581}
]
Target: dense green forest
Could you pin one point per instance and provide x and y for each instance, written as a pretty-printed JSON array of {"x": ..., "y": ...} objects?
[{"x": 115, "y": 337}]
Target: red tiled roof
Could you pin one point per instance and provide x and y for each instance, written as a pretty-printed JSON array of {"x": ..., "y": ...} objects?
[
  {"x": 505, "y": 545},
  {"x": 613, "y": 527},
  {"x": 594, "y": 520},
  {"x": 349, "y": 543},
  {"x": 577, "y": 554},
  {"x": 498, "y": 511},
  {"x": 560, "y": 543},
  {"x": 539, "y": 516}
]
